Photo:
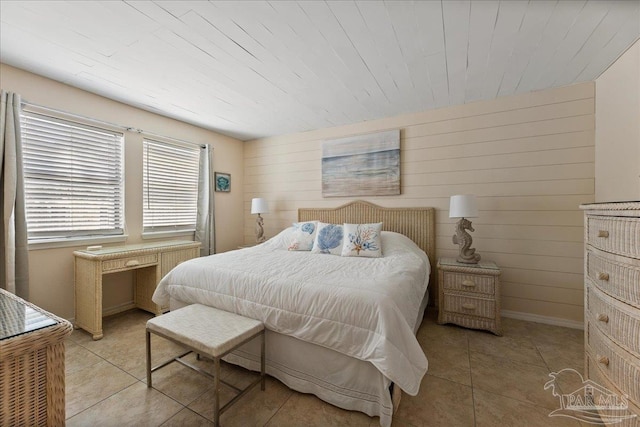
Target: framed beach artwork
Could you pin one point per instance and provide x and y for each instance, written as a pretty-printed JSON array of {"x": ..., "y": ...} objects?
[
  {"x": 362, "y": 165},
  {"x": 223, "y": 181}
]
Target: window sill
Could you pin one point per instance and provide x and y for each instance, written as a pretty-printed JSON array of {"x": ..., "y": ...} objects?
[
  {"x": 164, "y": 234},
  {"x": 35, "y": 245}
]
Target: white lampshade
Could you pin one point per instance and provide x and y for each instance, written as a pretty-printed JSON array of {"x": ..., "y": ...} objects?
[
  {"x": 463, "y": 206},
  {"x": 259, "y": 206}
]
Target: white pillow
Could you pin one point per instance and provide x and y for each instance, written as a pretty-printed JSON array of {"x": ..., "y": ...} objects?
[
  {"x": 362, "y": 240},
  {"x": 328, "y": 239},
  {"x": 303, "y": 235}
]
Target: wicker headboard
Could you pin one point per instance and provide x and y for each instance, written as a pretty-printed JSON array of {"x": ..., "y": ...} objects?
[{"x": 418, "y": 224}]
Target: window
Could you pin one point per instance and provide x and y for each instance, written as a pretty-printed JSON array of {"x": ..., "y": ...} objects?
[
  {"x": 73, "y": 178},
  {"x": 170, "y": 186}
]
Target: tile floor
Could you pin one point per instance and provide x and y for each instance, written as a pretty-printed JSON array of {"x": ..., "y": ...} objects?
[{"x": 474, "y": 379}]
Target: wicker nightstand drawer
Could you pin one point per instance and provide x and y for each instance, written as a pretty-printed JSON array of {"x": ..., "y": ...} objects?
[
  {"x": 469, "y": 283},
  {"x": 469, "y": 295},
  {"x": 470, "y": 306}
]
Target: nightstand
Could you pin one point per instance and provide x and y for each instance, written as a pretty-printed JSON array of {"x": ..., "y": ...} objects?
[{"x": 469, "y": 294}]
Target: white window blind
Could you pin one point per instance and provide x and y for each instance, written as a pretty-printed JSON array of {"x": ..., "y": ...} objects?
[
  {"x": 170, "y": 186},
  {"x": 73, "y": 178}
]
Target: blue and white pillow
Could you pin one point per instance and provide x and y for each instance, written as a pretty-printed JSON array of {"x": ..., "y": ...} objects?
[
  {"x": 362, "y": 240},
  {"x": 303, "y": 235},
  {"x": 328, "y": 239}
]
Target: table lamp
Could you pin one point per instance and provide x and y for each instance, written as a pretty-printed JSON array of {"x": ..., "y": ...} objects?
[
  {"x": 464, "y": 206},
  {"x": 259, "y": 206}
]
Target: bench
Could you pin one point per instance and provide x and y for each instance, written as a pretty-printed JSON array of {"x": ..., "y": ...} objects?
[{"x": 209, "y": 332}]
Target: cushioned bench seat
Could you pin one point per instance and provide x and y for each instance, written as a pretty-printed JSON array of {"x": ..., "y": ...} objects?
[{"x": 210, "y": 332}]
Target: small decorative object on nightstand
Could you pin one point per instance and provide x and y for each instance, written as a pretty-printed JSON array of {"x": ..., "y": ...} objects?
[
  {"x": 469, "y": 294},
  {"x": 464, "y": 206}
]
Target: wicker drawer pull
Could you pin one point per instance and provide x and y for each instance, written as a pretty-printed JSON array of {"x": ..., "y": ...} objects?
[
  {"x": 468, "y": 283},
  {"x": 468, "y": 306},
  {"x": 604, "y": 276},
  {"x": 603, "y": 360},
  {"x": 603, "y": 233},
  {"x": 132, "y": 263},
  {"x": 603, "y": 318}
]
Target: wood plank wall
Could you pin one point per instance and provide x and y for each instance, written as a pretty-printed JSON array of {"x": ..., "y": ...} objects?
[{"x": 529, "y": 159}]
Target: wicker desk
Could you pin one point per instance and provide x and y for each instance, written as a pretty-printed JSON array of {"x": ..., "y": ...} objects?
[
  {"x": 150, "y": 261},
  {"x": 31, "y": 364},
  {"x": 470, "y": 294}
]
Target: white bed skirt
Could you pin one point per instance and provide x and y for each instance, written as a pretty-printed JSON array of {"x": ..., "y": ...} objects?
[{"x": 338, "y": 379}]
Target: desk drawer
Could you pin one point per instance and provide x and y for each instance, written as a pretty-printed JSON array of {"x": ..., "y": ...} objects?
[
  {"x": 129, "y": 262},
  {"x": 470, "y": 305},
  {"x": 470, "y": 283}
]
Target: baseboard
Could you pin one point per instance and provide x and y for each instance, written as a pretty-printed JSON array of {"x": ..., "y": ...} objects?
[
  {"x": 556, "y": 321},
  {"x": 118, "y": 309},
  {"x": 110, "y": 311}
]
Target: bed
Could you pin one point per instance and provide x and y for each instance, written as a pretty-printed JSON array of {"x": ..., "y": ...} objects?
[{"x": 332, "y": 332}]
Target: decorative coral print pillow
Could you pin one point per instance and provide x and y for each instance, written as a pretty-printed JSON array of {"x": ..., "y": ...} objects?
[
  {"x": 362, "y": 240},
  {"x": 328, "y": 239},
  {"x": 303, "y": 235}
]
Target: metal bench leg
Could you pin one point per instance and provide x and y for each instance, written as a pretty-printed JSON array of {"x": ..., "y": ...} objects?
[
  {"x": 148, "y": 340},
  {"x": 262, "y": 360},
  {"x": 216, "y": 388}
]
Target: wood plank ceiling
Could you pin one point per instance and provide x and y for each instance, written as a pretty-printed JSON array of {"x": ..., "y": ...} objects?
[{"x": 252, "y": 69}]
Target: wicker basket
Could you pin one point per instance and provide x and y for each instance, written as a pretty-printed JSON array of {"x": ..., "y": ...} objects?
[{"x": 32, "y": 372}]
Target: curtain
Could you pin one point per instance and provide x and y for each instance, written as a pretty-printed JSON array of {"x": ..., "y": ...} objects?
[
  {"x": 14, "y": 254},
  {"x": 205, "y": 224}
]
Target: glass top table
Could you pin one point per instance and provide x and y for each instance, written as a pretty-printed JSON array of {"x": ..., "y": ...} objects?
[
  {"x": 489, "y": 265},
  {"x": 17, "y": 318}
]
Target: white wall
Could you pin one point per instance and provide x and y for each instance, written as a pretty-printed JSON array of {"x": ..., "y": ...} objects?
[
  {"x": 529, "y": 158},
  {"x": 51, "y": 270},
  {"x": 618, "y": 129}
]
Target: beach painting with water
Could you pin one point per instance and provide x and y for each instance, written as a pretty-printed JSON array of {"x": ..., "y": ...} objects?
[{"x": 362, "y": 165}]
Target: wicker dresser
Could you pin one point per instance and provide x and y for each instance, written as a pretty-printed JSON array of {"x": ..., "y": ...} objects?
[
  {"x": 31, "y": 364},
  {"x": 612, "y": 300},
  {"x": 469, "y": 294}
]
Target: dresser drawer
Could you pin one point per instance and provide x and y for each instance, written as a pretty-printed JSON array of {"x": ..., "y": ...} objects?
[
  {"x": 619, "y": 235},
  {"x": 618, "y": 365},
  {"x": 126, "y": 263},
  {"x": 616, "y": 276},
  {"x": 469, "y": 305},
  {"x": 469, "y": 283},
  {"x": 616, "y": 320},
  {"x": 595, "y": 374}
]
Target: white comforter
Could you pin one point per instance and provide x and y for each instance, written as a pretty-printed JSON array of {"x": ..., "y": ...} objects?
[{"x": 363, "y": 307}]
